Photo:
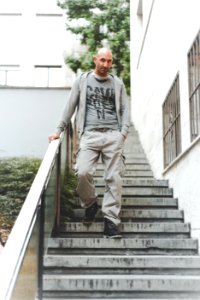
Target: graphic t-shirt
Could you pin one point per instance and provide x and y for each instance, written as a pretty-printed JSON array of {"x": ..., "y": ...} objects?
[{"x": 100, "y": 103}]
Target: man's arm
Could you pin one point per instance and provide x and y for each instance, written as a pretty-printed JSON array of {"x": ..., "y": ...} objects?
[
  {"x": 125, "y": 111},
  {"x": 68, "y": 111}
]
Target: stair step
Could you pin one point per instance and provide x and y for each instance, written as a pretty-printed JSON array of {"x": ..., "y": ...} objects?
[
  {"x": 131, "y": 166},
  {"x": 135, "y": 182},
  {"x": 99, "y": 264},
  {"x": 120, "y": 283},
  {"x": 134, "y": 157},
  {"x": 141, "y": 191},
  {"x": 129, "y": 173},
  {"x": 142, "y": 202},
  {"x": 134, "y": 228},
  {"x": 194, "y": 296},
  {"x": 127, "y": 246},
  {"x": 139, "y": 214}
]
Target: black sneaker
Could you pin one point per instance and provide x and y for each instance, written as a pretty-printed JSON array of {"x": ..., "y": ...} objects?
[
  {"x": 111, "y": 230},
  {"x": 90, "y": 213}
]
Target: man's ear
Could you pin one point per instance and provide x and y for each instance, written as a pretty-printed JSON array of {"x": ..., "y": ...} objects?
[{"x": 94, "y": 59}]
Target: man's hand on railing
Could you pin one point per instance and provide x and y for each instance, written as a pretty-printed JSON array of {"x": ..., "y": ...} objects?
[{"x": 53, "y": 136}]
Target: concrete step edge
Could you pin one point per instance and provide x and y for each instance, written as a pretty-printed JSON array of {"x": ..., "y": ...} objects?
[
  {"x": 126, "y": 243},
  {"x": 119, "y": 261},
  {"x": 140, "y": 213},
  {"x": 136, "y": 182},
  {"x": 123, "y": 282},
  {"x": 150, "y": 227}
]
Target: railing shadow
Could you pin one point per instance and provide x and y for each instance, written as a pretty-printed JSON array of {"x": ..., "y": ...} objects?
[{"x": 21, "y": 261}]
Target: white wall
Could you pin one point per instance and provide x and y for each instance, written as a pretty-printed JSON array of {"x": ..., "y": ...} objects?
[
  {"x": 34, "y": 33},
  {"x": 27, "y": 117},
  {"x": 159, "y": 52}
]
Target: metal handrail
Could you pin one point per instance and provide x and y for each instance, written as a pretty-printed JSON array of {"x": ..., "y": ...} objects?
[{"x": 13, "y": 253}]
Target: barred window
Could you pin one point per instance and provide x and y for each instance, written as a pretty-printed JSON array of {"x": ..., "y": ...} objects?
[
  {"x": 194, "y": 87},
  {"x": 171, "y": 124}
]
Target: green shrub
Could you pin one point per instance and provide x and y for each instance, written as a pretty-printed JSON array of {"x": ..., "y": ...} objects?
[
  {"x": 16, "y": 177},
  {"x": 68, "y": 195}
]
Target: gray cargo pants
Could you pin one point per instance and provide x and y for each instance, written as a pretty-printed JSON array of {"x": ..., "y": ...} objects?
[{"x": 108, "y": 145}]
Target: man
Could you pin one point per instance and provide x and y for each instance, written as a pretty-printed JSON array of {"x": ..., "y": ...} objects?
[{"x": 102, "y": 120}]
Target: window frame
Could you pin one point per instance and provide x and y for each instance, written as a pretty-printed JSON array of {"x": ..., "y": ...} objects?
[
  {"x": 48, "y": 76},
  {"x": 193, "y": 58},
  {"x": 6, "y": 71},
  {"x": 172, "y": 123}
]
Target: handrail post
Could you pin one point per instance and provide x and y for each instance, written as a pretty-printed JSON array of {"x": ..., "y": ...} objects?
[
  {"x": 58, "y": 192},
  {"x": 41, "y": 249}
]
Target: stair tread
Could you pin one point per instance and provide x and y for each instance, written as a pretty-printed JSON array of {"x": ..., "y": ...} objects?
[
  {"x": 126, "y": 243},
  {"x": 124, "y": 276},
  {"x": 136, "y": 182},
  {"x": 141, "y": 191},
  {"x": 58, "y": 298},
  {"x": 119, "y": 261},
  {"x": 142, "y": 201},
  {"x": 139, "y": 214},
  {"x": 122, "y": 282},
  {"x": 137, "y": 227}
]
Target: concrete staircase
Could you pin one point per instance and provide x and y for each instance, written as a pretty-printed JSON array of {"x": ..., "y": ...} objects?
[{"x": 155, "y": 259}]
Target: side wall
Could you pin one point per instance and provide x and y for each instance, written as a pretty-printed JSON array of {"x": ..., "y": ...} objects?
[
  {"x": 161, "y": 39},
  {"x": 27, "y": 117}
]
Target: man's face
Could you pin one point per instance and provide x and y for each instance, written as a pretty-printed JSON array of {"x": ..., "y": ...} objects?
[{"x": 103, "y": 63}]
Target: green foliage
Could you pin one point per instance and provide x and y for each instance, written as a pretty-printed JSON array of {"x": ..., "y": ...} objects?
[
  {"x": 100, "y": 22},
  {"x": 68, "y": 196},
  {"x": 16, "y": 177}
]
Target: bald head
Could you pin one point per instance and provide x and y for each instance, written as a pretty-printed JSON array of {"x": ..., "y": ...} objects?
[
  {"x": 102, "y": 51},
  {"x": 103, "y": 62}
]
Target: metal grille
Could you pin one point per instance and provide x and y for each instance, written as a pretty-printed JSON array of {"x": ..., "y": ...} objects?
[
  {"x": 194, "y": 87},
  {"x": 171, "y": 124}
]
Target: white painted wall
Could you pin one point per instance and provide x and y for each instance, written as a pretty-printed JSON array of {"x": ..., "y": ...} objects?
[
  {"x": 159, "y": 51},
  {"x": 27, "y": 117},
  {"x": 37, "y": 35}
]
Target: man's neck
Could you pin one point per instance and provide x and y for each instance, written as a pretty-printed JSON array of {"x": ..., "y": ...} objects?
[{"x": 100, "y": 77}]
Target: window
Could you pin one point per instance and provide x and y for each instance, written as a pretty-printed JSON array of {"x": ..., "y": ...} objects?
[
  {"x": 171, "y": 124},
  {"x": 48, "y": 76},
  {"x": 194, "y": 87},
  {"x": 9, "y": 74}
]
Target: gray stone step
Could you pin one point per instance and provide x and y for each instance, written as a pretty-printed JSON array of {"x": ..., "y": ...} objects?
[
  {"x": 119, "y": 264},
  {"x": 135, "y": 182},
  {"x": 148, "y": 230},
  {"x": 131, "y": 155},
  {"x": 130, "y": 166},
  {"x": 142, "y": 202},
  {"x": 121, "y": 283},
  {"x": 129, "y": 173},
  {"x": 141, "y": 191},
  {"x": 194, "y": 296},
  {"x": 126, "y": 246},
  {"x": 131, "y": 158},
  {"x": 134, "y": 215}
]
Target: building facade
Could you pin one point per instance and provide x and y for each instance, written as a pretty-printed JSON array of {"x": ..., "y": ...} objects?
[
  {"x": 34, "y": 43},
  {"x": 34, "y": 80},
  {"x": 165, "y": 49}
]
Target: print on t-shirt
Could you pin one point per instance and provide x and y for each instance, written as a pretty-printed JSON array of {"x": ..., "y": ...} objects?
[
  {"x": 101, "y": 100},
  {"x": 100, "y": 103}
]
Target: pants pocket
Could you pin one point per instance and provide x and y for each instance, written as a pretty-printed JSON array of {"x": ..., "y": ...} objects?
[{"x": 123, "y": 165}]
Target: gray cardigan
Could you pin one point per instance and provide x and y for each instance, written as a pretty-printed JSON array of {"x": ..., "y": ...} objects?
[{"x": 77, "y": 99}]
